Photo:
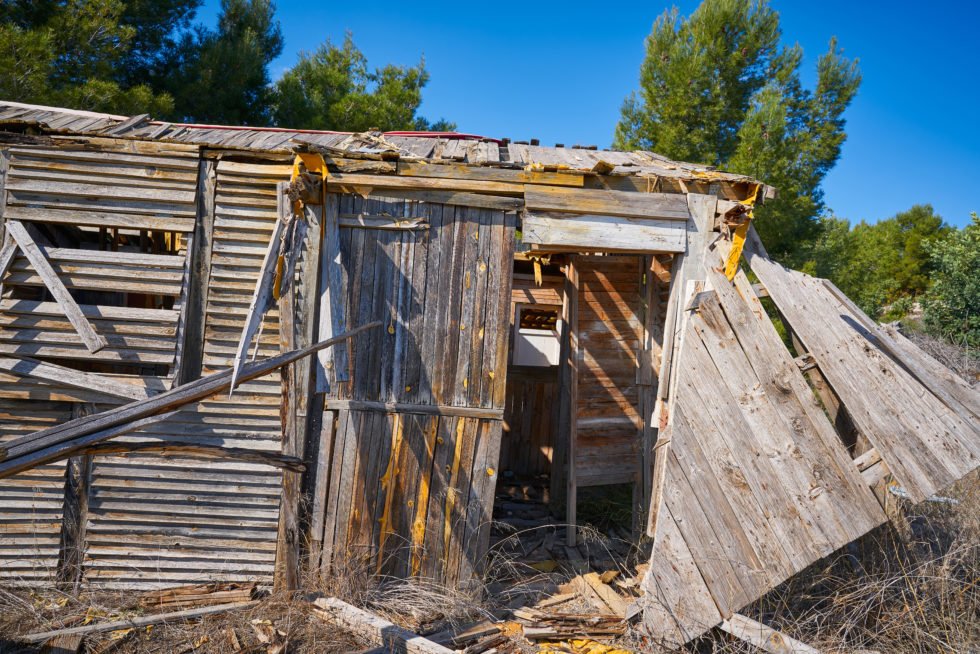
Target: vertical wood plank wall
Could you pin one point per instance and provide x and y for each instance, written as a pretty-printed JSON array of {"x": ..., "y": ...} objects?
[
  {"x": 411, "y": 492},
  {"x": 526, "y": 447},
  {"x": 608, "y": 422}
]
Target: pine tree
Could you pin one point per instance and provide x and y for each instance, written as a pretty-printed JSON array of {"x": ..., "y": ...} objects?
[
  {"x": 333, "y": 88},
  {"x": 70, "y": 53},
  {"x": 222, "y": 76},
  {"x": 718, "y": 88}
]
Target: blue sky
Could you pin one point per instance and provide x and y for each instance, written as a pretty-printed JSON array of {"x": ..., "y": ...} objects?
[{"x": 559, "y": 72}]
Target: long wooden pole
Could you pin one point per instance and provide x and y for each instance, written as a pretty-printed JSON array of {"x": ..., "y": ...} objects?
[{"x": 58, "y": 442}]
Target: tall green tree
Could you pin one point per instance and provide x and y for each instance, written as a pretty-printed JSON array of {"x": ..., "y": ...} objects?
[
  {"x": 882, "y": 265},
  {"x": 70, "y": 53},
  {"x": 952, "y": 305},
  {"x": 718, "y": 88},
  {"x": 222, "y": 76},
  {"x": 333, "y": 89}
]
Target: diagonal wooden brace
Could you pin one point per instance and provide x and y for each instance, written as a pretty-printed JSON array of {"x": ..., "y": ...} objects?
[{"x": 93, "y": 341}]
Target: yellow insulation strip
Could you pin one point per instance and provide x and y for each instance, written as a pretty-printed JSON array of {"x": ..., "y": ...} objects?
[
  {"x": 580, "y": 646},
  {"x": 313, "y": 163},
  {"x": 451, "y": 492},
  {"x": 387, "y": 484},
  {"x": 738, "y": 238},
  {"x": 422, "y": 501}
]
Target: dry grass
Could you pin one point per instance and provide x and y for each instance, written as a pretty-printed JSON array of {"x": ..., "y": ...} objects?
[{"x": 911, "y": 586}]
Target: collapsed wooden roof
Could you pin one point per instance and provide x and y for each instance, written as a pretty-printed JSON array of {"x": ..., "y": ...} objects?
[{"x": 439, "y": 147}]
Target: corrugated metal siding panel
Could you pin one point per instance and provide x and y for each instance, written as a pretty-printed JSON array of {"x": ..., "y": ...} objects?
[
  {"x": 166, "y": 520},
  {"x": 30, "y": 503}
]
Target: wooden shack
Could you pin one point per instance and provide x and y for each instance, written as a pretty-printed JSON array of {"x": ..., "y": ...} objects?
[{"x": 561, "y": 312}]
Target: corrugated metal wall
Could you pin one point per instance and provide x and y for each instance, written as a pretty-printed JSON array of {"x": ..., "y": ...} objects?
[{"x": 153, "y": 519}]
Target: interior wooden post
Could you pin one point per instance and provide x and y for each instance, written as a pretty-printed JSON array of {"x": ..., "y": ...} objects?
[
  {"x": 197, "y": 277},
  {"x": 297, "y": 321},
  {"x": 74, "y": 517}
]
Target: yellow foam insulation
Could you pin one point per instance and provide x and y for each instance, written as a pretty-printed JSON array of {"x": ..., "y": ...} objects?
[
  {"x": 738, "y": 238},
  {"x": 579, "y": 646}
]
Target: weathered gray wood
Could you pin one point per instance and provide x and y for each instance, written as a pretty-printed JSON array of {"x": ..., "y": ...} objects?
[
  {"x": 423, "y": 409},
  {"x": 569, "y": 400},
  {"x": 597, "y": 233},
  {"x": 925, "y": 444},
  {"x": 93, "y": 341},
  {"x": 262, "y": 297},
  {"x": 333, "y": 313},
  {"x": 942, "y": 382},
  {"x": 367, "y": 221},
  {"x": 376, "y": 629},
  {"x": 687, "y": 270},
  {"x": 460, "y": 198},
  {"x": 74, "y": 516},
  {"x": 765, "y": 638},
  {"x": 112, "y": 389},
  {"x": 662, "y": 206},
  {"x": 297, "y": 325},
  {"x": 141, "y": 621},
  {"x": 197, "y": 278},
  {"x": 272, "y": 459},
  {"x": 35, "y": 449}
]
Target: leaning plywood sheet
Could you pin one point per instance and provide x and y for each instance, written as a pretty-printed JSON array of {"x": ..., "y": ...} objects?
[
  {"x": 923, "y": 422},
  {"x": 758, "y": 484}
]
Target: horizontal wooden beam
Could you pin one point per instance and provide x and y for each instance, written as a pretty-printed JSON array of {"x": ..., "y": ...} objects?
[
  {"x": 338, "y": 181},
  {"x": 630, "y": 204},
  {"x": 112, "y": 389},
  {"x": 489, "y": 174},
  {"x": 274, "y": 459},
  {"x": 425, "y": 409},
  {"x": 598, "y": 233}
]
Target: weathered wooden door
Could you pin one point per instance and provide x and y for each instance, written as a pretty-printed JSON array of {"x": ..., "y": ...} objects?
[{"x": 410, "y": 443}]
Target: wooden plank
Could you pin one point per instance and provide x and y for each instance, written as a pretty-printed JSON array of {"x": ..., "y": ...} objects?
[
  {"x": 59, "y": 442},
  {"x": 297, "y": 326},
  {"x": 486, "y": 173},
  {"x": 460, "y": 198},
  {"x": 198, "y": 278},
  {"x": 765, "y": 638},
  {"x": 93, "y": 341},
  {"x": 678, "y": 606},
  {"x": 112, "y": 389},
  {"x": 102, "y": 215},
  {"x": 925, "y": 444},
  {"x": 78, "y": 479},
  {"x": 662, "y": 206},
  {"x": 942, "y": 382},
  {"x": 133, "y": 623},
  {"x": 262, "y": 296},
  {"x": 376, "y": 629},
  {"x": 344, "y": 181},
  {"x": 597, "y": 233},
  {"x": 688, "y": 267},
  {"x": 334, "y": 362},
  {"x": 569, "y": 399}
]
